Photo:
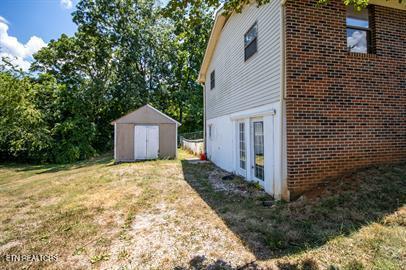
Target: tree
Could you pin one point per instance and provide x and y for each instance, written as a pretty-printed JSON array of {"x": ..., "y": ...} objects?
[
  {"x": 23, "y": 132},
  {"x": 192, "y": 25},
  {"x": 125, "y": 54}
]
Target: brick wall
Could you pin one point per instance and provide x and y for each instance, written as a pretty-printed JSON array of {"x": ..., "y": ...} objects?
[{"x": 344, "y": 111}]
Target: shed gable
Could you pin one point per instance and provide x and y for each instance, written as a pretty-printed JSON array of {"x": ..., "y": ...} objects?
[{"x": 146, "y": 115}]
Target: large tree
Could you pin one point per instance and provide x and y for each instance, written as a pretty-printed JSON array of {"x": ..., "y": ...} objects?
[{"x": 124, "y": 54}]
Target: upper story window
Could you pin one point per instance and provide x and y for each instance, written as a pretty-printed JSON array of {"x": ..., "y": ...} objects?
[
  {"x": 250, "y": 41},
  {"x": 359, "y": 34},
  {"x": 212, "y": 80}
]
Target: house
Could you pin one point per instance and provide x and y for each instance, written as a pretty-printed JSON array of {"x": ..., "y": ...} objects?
[
  {"x": 296, "y": 93},
  {"x": 143, "y": 134}
]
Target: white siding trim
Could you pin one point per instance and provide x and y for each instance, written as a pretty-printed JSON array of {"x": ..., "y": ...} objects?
[{"x": 176, "y": 142}]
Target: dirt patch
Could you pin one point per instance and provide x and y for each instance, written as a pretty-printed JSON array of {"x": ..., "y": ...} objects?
[
  {"x": 157, "y": 237},
  {"x": 222, "y": 181},
  {"x": 6, "y": 247}
]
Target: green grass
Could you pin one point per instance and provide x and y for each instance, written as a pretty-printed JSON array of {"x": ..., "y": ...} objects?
[{"x": 166, "y": 214}]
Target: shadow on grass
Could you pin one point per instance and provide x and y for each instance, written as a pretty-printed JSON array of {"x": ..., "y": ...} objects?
[
  {"x": 51, "y": 168},
  {"x": 349, "y": 203},
  {"x": 200, "y": 262}
]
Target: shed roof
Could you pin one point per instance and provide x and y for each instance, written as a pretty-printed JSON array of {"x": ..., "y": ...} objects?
[{"x": 146, "y": 115}]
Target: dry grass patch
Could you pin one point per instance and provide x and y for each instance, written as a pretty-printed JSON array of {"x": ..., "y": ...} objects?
[{"x": 170, "y": 214}]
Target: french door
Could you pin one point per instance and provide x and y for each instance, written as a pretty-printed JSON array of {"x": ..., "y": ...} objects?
[
  {"x": 258, "y": 150},
  {"x": 242, "y": 149}
]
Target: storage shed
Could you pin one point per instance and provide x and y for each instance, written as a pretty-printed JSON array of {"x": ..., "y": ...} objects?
[{"x": 145, "y": 133}]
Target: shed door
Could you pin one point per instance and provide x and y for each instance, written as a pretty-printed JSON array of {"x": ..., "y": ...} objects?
[
  {"x": 146, "y": 142},
  {"x": 152, "y": 142}
]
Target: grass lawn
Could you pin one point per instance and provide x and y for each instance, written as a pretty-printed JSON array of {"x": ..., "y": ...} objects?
[{"x": 171, "y": 214}]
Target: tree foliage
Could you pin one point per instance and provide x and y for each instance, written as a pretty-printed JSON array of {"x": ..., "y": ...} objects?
[
  {"x": 23, "y": 132},
  {"x": 125, "y": 53}
]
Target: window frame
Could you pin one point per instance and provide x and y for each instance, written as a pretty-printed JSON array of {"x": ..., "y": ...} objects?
[
  {"x": 368, "y": 30},
  {"x": 210, "y": 131},
  {"x": 255, "y": 24},
  {"x": 213, "y": 79}
]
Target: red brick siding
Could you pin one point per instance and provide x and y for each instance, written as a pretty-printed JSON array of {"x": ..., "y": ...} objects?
[{"x": 344, "y": 111}]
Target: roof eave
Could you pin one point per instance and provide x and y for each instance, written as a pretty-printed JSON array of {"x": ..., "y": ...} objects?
[
  {"x": 389, "y": 3},
  {"x": 219, "y": 21}
]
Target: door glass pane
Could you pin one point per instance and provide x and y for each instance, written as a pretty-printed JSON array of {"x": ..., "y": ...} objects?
[
  {"x": 243, "y": 159},
  {"x": 259, "y": 149}
]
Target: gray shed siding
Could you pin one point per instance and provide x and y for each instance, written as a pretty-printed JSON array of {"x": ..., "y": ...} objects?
[
  {"x": 244, "y": 85},
  {"x": 124, "y": 142},
  {"x": 124, "y": 137}
]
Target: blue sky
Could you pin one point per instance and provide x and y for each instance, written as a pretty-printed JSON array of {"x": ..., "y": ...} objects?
[
  {"x": 27, "y": 25},
  {"x": 47, "y": 19}
]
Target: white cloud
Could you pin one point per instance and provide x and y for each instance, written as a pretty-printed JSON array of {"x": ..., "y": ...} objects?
[
  {"x": 3, "y": 20},
  {"x": 67, "y": 4},
  {"x": 357, "y": 42},
  {"x": 18, "y": 53}
]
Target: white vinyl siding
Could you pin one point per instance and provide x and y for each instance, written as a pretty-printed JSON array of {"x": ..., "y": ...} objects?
[{"x": 240, "y": 84}]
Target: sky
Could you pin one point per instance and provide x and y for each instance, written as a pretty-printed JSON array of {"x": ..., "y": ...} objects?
[{"x": 28, "y": 25}]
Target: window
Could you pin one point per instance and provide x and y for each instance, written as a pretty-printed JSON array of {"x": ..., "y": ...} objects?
[
  {"x": 359, "y": 34},
  {"x": 243, "y": 159},
  {"x": 212, "y": 80},
  {"x": 210, "y": 131},
  {"x": 250, "y": 41}
]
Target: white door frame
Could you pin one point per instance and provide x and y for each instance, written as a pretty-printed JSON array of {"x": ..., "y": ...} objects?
[
  {"x": 272, "y": 145},
  {"x": 252, "y": 164},
  {"x": 240, "y": 171}
]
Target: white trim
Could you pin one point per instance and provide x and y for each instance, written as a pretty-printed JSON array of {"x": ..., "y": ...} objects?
[
  {"x": 204, "y": 121},
  {"x": 115, "y": 141},
  {"x": 256, "y": 112},
  {"x": 253, "y": 120},
  {"x": 176, "y": 142},
  {"x": 240, "y": 171}
]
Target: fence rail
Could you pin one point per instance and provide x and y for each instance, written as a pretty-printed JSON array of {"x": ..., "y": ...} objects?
[{"x": 192, "y": 135}]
